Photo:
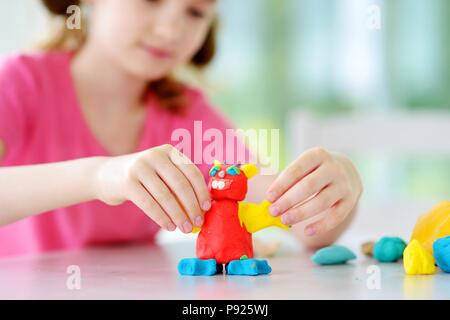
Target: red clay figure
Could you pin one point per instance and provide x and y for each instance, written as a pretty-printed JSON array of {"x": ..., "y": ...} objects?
[{"x": 226, "y": 235}]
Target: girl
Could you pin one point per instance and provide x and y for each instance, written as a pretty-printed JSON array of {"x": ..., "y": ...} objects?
[{"x": 85, "y": 133}]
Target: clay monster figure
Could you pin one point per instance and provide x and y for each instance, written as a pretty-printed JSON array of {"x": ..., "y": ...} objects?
[{"x": 226, "y": 235}]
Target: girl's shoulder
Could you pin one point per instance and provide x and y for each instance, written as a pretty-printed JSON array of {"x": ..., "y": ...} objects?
[
  {"x": 28, "y": 69},
  {"x": 32, "y": 59}
]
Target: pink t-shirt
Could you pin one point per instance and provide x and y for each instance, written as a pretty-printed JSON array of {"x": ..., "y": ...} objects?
[{"x": 41, "y": 122}]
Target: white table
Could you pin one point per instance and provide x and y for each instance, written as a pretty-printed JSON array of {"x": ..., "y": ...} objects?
[{"x": 150, "y": 273}]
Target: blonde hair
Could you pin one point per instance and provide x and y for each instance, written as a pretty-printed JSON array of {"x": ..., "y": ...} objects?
[{"x": 168, "y": 90}]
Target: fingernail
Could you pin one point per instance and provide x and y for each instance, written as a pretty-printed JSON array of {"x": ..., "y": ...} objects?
[
  {"x": 310, "y": 231},
  {"x": 199, "y": 221},
  {"x": 271, "y": 196},
  {"x": 171, "y": 227},
  {"x": 274, "y": 210},
  {"x": 286, "y": 219},
  {"x": 187, "y": 227},
  {"x": 206, "y": 205}
]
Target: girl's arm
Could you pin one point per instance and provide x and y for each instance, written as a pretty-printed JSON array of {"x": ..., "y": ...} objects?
[
  {"x": 160, "y": 181},
  {"x": 258, "y": 186},
  {"x": 318, "y": 194},
  {"x": 28, "y": 190}
]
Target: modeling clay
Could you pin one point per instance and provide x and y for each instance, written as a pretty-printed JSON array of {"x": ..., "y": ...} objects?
[
  {"x": 389, "y": 249},
  {"x": 333, "y": 255},
  {"x": 367, "y": 248},
  {"x": 250, "y": 267},
  {"x": 197, "y": 267},
  {"x": 226, "y": 235},
  {"x": 433, "y": 225},
  {"x": 417, "y": 260},
  {"x": 441, "y": 252}
]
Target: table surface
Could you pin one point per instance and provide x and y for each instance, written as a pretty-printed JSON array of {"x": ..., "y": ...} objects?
[{"x": 149, "y": 272}]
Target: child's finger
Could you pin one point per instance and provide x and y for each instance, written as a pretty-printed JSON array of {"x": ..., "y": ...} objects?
[
  {"x": 305, "y": 164},
  {"x": 324, "y": 200},
  {"x": 195, "y": 177},
  {"x": 182, "y": 188},
  {"x": 166, "y": 199},
  {"x": 303, "y": 190},
  {"x": 333, "y": 217},
  {"x": 143, "y": 200}
]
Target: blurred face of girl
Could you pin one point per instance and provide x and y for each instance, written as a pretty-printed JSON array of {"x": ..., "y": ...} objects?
[{"x": 149, "y": 38}]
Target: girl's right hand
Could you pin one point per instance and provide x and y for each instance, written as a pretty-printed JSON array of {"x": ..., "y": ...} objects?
[{"x": 161, "y": 181}]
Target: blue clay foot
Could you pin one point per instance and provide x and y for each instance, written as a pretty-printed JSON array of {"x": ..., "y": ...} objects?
[
  {"x": 248, "y": 267},
  {"x": 198, "y": 267}
]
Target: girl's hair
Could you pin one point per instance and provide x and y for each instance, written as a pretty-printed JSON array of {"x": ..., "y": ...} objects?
[{"x": 168, "y": 90}]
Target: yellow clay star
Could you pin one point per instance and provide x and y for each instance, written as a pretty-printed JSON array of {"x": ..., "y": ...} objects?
[{"x": 417, "y": 260}]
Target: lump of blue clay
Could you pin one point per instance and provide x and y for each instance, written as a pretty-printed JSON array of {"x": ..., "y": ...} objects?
[
  {"x": 389, "y": 249},
  {"x": 248, "y": 267},
  {"x": 441, "y": 253},
  {"x": 198, "y": 267},
  {"x": 333, "y": 255}
]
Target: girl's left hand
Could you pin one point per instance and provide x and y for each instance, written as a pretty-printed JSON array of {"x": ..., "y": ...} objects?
[{"x": 317, "y": 182}]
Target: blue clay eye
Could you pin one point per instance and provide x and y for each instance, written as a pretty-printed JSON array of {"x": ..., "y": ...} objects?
[
  {"x": 233, "y": 171},
  {"x": 214, "y": 170}
]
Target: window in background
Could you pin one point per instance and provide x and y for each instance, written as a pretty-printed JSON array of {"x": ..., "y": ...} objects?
[
  {"x": 319, "y": 55},
  {"x": 418, "y": 77},
  {"x": 418, "y": 52},
  {"x": 20, "y": 24}
]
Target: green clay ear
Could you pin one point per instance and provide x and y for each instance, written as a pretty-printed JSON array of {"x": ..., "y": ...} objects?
[
  {"x": 233, "y": 171},
  {"x": 214, "y": 170}
]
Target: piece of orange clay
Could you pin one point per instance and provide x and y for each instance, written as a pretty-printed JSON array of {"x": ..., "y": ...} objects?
[
  {"x": 433, "y": 225},
  {"x": 367, "y": 248},
  {"x": 266, "y": 249},
  {"x": 418, "y": 260}
]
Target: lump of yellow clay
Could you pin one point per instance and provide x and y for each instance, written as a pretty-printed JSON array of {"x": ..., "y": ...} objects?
[
  {"x": 417, "y": 260},
  {"x": 433, "y": 225},
  {"x": 256, "y": 216}
]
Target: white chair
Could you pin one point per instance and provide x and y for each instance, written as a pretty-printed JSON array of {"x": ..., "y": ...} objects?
[{"x": 393, "y": 133}]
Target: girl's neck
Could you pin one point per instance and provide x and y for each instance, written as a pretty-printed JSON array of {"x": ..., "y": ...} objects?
[{"x": 104, "y": 84}]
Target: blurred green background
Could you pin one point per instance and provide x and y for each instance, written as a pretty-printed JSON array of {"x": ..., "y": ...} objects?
[{"x": 320, "y": 56}]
